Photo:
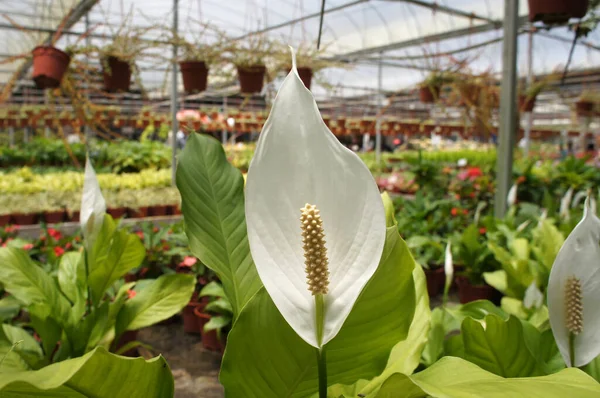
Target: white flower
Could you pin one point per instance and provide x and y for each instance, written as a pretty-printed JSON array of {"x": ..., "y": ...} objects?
[
  {"x": 448, "y": 267},
  {"x": 299, "y": 162},
  {"x": 574, "y": 292},
  {"x": 565, "y": 203},
  {"x": 512, "y": 195},
  {"x": 93, "y": 206},
  {"x": 533, "y": 297},
  {"x": 462, "y": 162},
  {"x": 579, "y": 196}
]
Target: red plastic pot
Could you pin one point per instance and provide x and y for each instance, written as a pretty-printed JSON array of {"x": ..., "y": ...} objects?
[
  {"x": 526, "y": 104},
  {"x": 468, "y": 292},
  {"x": 25, "y": 218},
  {"x": 117, "y": 212},
  {"x": 436, "y": 278},
  {"x": 140, "y": 212},
  {"x": 4, "y": 219},
  {"x": 190, "y": 320},
  {"x": 118, "y": 76},
  {"x": 54, "y": 217},
  {"x": 556, "y": 11},
  {"x": 428, "y": 94},
  {"x": 584, "y": 108},
  {"x": 195, "y": 76},
  {"x": 210, "y": 340},
  {"x": 49, "y": 66},
  {"x": 157, "y": 211},
  {"x": 251, "y": 78}
]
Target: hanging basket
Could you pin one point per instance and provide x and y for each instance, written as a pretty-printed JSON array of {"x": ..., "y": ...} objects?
[
  {"x": 556, "y": 11},
  {"x": 195, "y": 76},
  {"x": 584, "y": 108},
  {"x": 526, "y": 104},
  {"x": 118, "y": 76},
  {"x": 251, "y": 78},
  {"x": 429, "y": 94},
  {"x": 49, "y": 66}
]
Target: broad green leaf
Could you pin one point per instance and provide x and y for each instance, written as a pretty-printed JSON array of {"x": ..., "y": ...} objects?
[
  {"x": 165, "y": 297},
  {"x": 83, "y": 335},
  {"x": 213, "y": 289},
  {"x": 477, "y": 310},
  {"x": 96, "y": 374},
  {"x": 499, "y": 348},
  {"x": 123, "y": 252},
  {"x": 217, "y": 322},
  {"x": 457, "y": 378},
  {"x": 45, "y": 326},
  {"x": 405, "y": 355},
  {"x": 514, "y": 307},
  {"x": 593, "y": 368},
  {"x": 68, "y": 279},
  {"x": 9, "y": 308},
  {"x": 29, "y": 283},
  {"x": 212, "y": 193},
  {"x": 497, "y": 280},
  {"x": 281, "y": 364},
  {"x": 390, "y": 212},
  {"x": 26, "y": 348},
  {"x": 547, "y": 241},
  {"x": 220, "y": 306}
]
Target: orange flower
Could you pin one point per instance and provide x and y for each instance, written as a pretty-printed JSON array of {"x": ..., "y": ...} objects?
[
  {"x": 131, "y": 294},
  {"x": 454, "y": 211}
]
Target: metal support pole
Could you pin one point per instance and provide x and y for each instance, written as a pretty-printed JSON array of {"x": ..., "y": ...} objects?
[
  {"x": 88, "y": 42},
  {"x": 26, "y": 135},
  {"x": 529, "y": 115},
  {"x": 224, "y": 131},
  {"x": 174, "y": 126},
  {"x": 11, "y": 136},
  {"x": 379, "y": 107},
  {"x": 508, "y": 108}
]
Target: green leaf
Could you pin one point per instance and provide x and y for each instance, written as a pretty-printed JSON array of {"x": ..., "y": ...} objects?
[
  {"x": 9, "y": 308},
  {"x": 217, "y": 322},
  {"x": 96, "y": 374},
  {"x": 219, "y": 306},
  {"x": 593, "y": 368},
  {"x": 213, "y": 289},
  {"x": 390, "y": 212},
  {"x": 457, "y": 378},
  {"x": 27, "y": 348},
  {"x": 165, "y": 297},
  {"x": 68, "y": 280},
  {"x": 29, "y": 283},
  {"x": 500, "y": 348},
  {"x": 497, "y": 280},
  {"x": 122, "y": 252},
  {"x": 212, "y": 193},
  {"x": 478, "y": 309},
  {"x": 405, "y": 355},
  {"x": 45, "y": 326},
  {"x": 380, "y": 318}
]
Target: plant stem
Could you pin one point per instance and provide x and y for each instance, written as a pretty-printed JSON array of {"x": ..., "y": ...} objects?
[
  {"x": 322, "y": 366},
  {"x": 319, "y": 316},
  {"x": 87, "y": 273},
  {"x": 572, "y": 349}
]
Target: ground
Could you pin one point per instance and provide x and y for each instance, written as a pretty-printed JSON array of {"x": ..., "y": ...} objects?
[{"x": 195, "y": 369}]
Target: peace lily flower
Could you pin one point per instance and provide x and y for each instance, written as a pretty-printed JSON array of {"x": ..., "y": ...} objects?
[
  {"x": 574, "y": 292},
  {"x": 316, "y": 223},
  {"x": 448, "y": 269},
  {"x": 93, "y": 206},
  {"x": 512, "y": 195},
  {"x": 565, "y": 203}
]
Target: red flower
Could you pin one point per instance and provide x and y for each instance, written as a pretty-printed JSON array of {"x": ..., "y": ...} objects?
[
  {"x": 58, "y": 251},
  {"x": 482, "y": 230},
  {"x": 28, "y": 246},
  {"x": 131, "y": 294},
  {"x": 11, "y": 228},
  {"x": 472, "y": 195},
  {"x": 465, "y": 212},
  {"x": 457, "y": 196},
  {"x": 68, "y": 245},
  {"x": 474, "y": 172},
  {"x": 155, "y": 229},
  {"x": 521, "y": 179},
  {"x": 54, "y": 233},
  {"x": 188, "y": 261},
  {"x": 140, "y": 234},
  {"x": 454, "y": 211}
]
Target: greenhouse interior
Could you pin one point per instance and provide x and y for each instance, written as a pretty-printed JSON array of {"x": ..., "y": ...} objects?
[{"x": 177, "y": 177}]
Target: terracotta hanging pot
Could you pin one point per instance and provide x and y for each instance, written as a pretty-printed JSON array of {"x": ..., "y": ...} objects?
[
  {"x": 584, "y": 108},
  {"x": 195, "y": 76},
  {"x": 526, "y": 104},
  {"x": 251, "y": 78},
  {"x": 556, "y": 11},
  {"x": 49, "y": 66},
  {"x": 429, "y": 94},
  {"x": 118, "y": 75}
]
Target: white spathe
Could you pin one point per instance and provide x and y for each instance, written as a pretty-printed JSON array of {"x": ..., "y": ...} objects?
[
  {"x": 565, "y": 204},
  {"x": 448, "y": 265},
  {"x": 512, "y": 195},
  {"x": 298, "y": 161},
  {"x": 93, "y": 206},
  {"x": 579, "y": 257}
]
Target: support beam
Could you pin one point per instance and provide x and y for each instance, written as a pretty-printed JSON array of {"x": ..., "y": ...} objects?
[
  {"x": 436, "y": 37},
  {"x": 76, "y": 13},
  {"x": 508, "y": 107},
  {"x": 446, "y": 10},
  {"x": 303, "y": 18},
  {"x": 378, "y": 117},
  {"x": 174, "y": 97}
]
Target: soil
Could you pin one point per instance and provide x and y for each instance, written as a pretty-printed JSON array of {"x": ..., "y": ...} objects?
[{"x": 195, "y": 369}]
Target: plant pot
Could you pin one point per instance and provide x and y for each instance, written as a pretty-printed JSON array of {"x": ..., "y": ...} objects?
[
  {"x": 25, "y": 218},
  {"x": 157, "y": 211},
  {"x": 526, "y": 104},
  {"x": 126, "y": 338},
  {"x": 74, "y": 216},
  {"x": 54, "y": 217},
  {"x": 117, "y": 212},
  {"x": 305, "y": 75},
  {"x": 4, "y": 219},
  {"x": 130, "y": 278},
  {"x": 556, "y": 11},
  {"x": 49, "y": 66},
  {"x": 429, "y": 95},
  {"x": 210, "y": 340},
  {"x": 118, "y": 77},
  {"x": 468, "y": 292},
  {"x": 436, "y": 278},
  {"x": 190, "y": 320},
  {"x": 584, "y": 108},
  {"x": 251, "y": 78},
  {"x": 140, "y": 212},
  {"x": 195, "y": 76}
]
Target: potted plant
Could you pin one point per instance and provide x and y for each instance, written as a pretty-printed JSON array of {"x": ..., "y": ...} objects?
[
  {"x": 215, "y": 318},
  {"x": 250, "y": 60},
  {"x": 527, "y": 96},
  {"x": 429, "y": 252},
  {"x": 430, "y": 88},
  {"x": 191, "y": 265},
  {"x": 586, "y": 102},
  {"x": 556, "y": 11},
  {"x": 308, "y": 61},
  {"x": 54, "y": 214},
  {"x": 471, "y": 251}
]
